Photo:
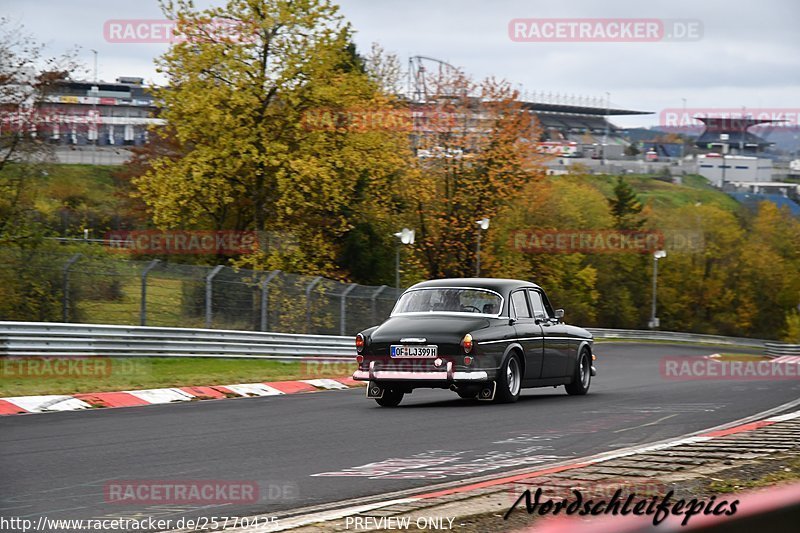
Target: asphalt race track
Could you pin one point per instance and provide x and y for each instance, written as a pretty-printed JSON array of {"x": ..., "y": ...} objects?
[{"x": 58, "y": 464}]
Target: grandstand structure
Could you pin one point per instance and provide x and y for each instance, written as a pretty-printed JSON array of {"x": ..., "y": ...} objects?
[
  {"x": 732, "y": 135},
  {"x": 586, "y": 128},
  {"x": 91, "y": 113},
  {"x": 572, "y": 126}
]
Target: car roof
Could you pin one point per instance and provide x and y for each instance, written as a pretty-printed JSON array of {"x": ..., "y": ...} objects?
[{"x": 495, "y": 284}]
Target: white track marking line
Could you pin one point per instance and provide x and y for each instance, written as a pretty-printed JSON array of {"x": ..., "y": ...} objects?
[
  {"x": 645, "y": 425},
  {"x": 783, "y": 418},
  {"x": 323, "y": 516}
]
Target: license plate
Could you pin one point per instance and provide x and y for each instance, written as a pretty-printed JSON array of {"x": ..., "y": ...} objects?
[{"x": 429, "y": 351}]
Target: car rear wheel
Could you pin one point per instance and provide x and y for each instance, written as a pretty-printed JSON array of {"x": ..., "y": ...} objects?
[
  {"x": 583, "y": 376},
  {"x": 390, "y": 398},
  {"x": 509, "y": 382}
]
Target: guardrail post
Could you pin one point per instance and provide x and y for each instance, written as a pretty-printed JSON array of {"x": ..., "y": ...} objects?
[
  {"x": 209, "y": 296},
  {"x": 265, "y": 298},
  {"x": 343, "y": 307},
  {"x": 373, "y": 303},
  {"x": 143, "y": 306},
  {"x": 308, "y": 301},
  {"x": 65, "y": 287}
]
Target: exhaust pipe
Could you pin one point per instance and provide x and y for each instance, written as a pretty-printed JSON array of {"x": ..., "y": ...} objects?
[{"x": 487, "y": 393}]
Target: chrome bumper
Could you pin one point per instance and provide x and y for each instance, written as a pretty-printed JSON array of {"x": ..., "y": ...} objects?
[{"x": 448, "y": 375}]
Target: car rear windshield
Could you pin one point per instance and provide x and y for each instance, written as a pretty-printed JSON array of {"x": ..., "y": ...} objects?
[{"x": 449, "y": 300}]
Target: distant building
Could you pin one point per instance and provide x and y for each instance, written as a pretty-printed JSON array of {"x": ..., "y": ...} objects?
[
  {"x": 80, "y": 113},
  {"x": 720, "y": 169}
]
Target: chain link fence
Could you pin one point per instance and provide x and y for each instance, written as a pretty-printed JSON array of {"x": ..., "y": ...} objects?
[{"x": 57, "y": 286}]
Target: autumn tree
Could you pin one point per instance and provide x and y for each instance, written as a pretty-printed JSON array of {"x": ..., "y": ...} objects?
[
  {"x": 769, "y": 268},
  {"x": 260, "y": 96},
  {"x": 27, "y": 77},
  {"x": 557, "y": 203},
  {"x": 702, "y": 290},
  {"x": 475, "y": 151}
]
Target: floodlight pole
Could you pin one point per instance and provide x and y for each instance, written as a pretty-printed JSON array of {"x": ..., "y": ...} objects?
[
  {"x": 656, "y": 256},
  {"x": 483, "y": 224},
  {"x": 405, "y": 237},
  {"x": 478, "y": 256},
  {"x": 397, "y": 267},
  {"x": 605, "y": 133}
]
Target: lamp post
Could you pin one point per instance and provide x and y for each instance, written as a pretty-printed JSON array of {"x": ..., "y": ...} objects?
[
  {"x": 683, "y": 137},
  {"x": 95, "y": 65},
  {"x": 406, "y": 236},
  {"x": 605, "y": 133},
  {"x": 483, "y": 224},
  {"x": 94, "y": 126},
  {"x": 660, "y": 254}
]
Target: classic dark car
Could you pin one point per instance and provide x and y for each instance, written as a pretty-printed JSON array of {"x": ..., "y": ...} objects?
[{"x": 482, "y": 338}]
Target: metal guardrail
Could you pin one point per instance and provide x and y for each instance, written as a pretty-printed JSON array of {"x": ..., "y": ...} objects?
[
  {"x": 771, "y": 348},
  {"x": 65, "y": 340},
  {"x": 777, "y": 349},
  {"x": 675, "y": 336}
]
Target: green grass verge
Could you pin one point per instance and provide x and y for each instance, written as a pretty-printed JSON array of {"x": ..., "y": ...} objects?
[
  {"x": 31, "y": 376},
  {"x": 662, "y": 194}
]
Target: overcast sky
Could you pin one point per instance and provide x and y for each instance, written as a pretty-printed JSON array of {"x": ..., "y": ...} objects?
[{"x": 749, "y": 53}]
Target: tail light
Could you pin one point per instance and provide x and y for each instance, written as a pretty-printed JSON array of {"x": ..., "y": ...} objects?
[
  {"x": 359, "y": 359},
  {"x": 359, "y": 343},
  {"x": 466, "y": 343}
]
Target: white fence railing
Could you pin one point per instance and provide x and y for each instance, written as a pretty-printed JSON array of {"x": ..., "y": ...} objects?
[{"x": 61, "y": 339}]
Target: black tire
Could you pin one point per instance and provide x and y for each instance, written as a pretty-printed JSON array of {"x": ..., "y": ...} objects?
[
  {"x": 509, "y": 381},
  {"x": 391, "y": 398},
  {"x": 582, "y": 378}
]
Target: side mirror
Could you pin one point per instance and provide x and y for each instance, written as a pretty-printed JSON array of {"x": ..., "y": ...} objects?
[
  {"x": 559, "y": 314},
  {"x": 512, "y": 321}
]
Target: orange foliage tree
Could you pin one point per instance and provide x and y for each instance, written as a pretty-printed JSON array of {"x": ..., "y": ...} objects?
[{"x": 476, "y": 149}]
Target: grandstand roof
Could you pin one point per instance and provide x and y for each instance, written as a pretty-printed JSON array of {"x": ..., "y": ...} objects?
[{"x": 580, "y": 110}]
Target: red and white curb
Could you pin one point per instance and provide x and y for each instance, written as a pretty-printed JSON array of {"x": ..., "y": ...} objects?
[
  {"x": 131, "y": 398},
  {"x": 754, "y": 422}
]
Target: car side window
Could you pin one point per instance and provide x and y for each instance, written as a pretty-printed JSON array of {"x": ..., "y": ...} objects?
[
  {"x": 537, "y": 305},
  {"x": 520, "y": 304},
  {"x": 547, "y": 307}
]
